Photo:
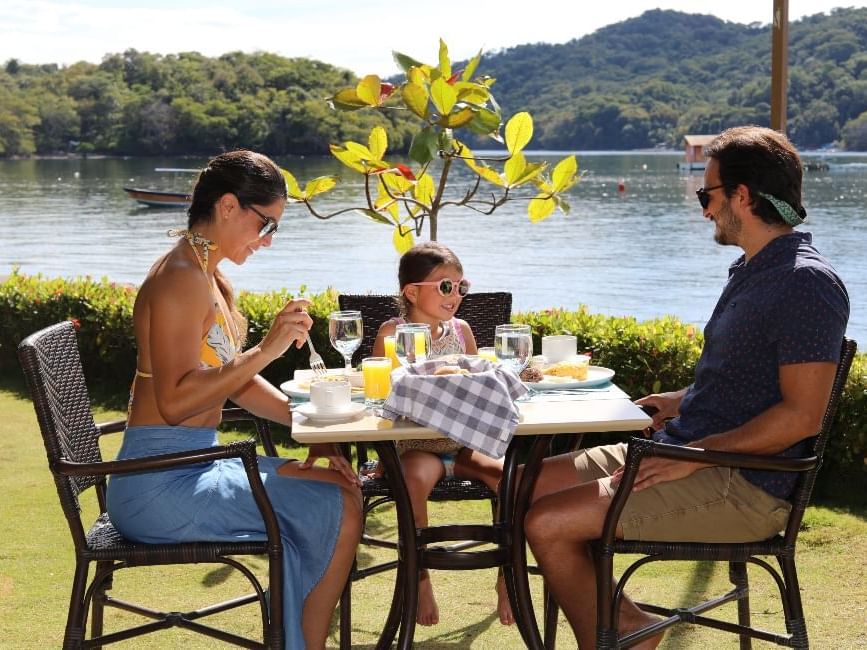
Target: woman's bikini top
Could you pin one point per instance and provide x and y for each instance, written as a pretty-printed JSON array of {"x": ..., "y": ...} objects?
[{"x": 220, "y": 342}]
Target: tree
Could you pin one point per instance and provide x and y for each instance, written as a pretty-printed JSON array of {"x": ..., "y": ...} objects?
[{"x": 444, "y": 102}]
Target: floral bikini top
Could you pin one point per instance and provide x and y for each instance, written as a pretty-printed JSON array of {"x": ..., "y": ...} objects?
[{"x": 219, "y": 344}]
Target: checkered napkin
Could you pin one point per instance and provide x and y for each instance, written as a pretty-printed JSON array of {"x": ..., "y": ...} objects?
[{"x": 478, "y": 410}]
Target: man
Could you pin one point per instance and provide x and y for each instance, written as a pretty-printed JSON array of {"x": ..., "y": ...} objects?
[{"x": 761, "y": 387}]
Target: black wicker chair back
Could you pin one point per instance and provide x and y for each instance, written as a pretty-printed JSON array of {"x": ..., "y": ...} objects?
[
  {"x": 52, "y": 368},
  {"x": 782, "y": 547},
  {"x": 482, "y": 311}
]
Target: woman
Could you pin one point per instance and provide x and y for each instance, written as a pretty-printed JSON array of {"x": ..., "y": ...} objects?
[{"x": 189, "y": 335}]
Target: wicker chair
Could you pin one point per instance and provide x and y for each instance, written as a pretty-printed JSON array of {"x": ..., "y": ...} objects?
[
  {"x": 52, "y": 368},
  {"x": 483, "y": 312},
  {"x": 781, "y": 547}
]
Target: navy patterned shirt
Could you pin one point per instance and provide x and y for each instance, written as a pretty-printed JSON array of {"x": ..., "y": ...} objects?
[{"x": 787, "y": 305}]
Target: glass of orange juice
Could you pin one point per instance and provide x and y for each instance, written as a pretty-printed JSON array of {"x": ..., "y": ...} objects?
[
  {"x": 377, "y": 380},
  {"x": 389, "y": 351}
]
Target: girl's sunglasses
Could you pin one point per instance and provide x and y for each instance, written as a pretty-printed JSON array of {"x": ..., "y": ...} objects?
[
  {"x": 703, "y": 194},
  {"x": 269, "y": 225},
  {"x": 446, "y": 287}
]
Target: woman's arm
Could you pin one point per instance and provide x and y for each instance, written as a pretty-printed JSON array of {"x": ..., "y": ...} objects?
[{"x": 386, "y": 329}]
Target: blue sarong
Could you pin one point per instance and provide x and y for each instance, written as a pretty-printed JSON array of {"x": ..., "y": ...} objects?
[{"x": 212, "y": 502}]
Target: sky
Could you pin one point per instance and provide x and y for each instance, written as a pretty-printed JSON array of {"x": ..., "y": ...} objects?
[{"x": 355, "y": 34}]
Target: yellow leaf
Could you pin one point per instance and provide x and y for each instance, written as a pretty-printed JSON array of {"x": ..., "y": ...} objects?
[
  {"x": 470, "y": 70},
  {"x": 364, "y": 154},
  {"x": 541, "y": 206},
  {"x": 419, "y": 75},
  {"x": 514, "y": 167},
  {"x": 319, "y": 185},
  {"x": 443, "y": 96},
  {"x": 377, "y": 142},
  {"x": 347, "y": 100},
  {"x": 519, "y": 131},
  {"x": 531, "y": 172},
  {"x": 368, "y": 90},
  {"x": 396, "y": 182},
  {"x": 445, "y": 63},
  {"x": 402, "y": 242},
  {"x": 459, "y": 119},
  {"x": 415, "y": 97},
  {"x": 385, "y": 202},
  {"x": 348, "y": 158},
  {"x": 292, "y": 188},
  {"x": 424, "y": 189},
  {"x": 563, "y": 176}
]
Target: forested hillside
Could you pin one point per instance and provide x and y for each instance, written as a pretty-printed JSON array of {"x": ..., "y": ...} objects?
[{"x": 639, "y": 83}]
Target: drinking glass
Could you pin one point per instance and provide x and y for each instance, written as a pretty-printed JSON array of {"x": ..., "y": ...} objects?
[
  {"x": 412, "y": 342},
  {"x": 345, "y": 329},
  {"x": 377, "y": 380},
  {"x": 513, "y": 345}
]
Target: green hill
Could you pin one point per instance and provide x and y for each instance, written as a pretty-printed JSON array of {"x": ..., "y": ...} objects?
[{"x": 639, "y": 83}]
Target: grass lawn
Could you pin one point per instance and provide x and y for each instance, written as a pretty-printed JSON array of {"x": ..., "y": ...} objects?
[{"x": 36, "y": 569}]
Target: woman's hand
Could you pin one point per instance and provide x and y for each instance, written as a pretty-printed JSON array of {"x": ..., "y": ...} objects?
[
  {"x": 667, "y": 405},
  {"x": 336, "y": 461},
  {"x": 290, "y": 326}
]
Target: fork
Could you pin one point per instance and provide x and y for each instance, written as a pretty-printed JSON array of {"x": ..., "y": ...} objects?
[{"x": 316, "y": 362}]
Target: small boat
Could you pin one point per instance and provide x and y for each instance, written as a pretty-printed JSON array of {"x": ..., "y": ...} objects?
[
  {"x": 154, "y": 198},
  {"x": 158, "y": 198}
]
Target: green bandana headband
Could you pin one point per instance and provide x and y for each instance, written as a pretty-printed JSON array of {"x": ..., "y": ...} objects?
[{"x": 787, "y": 212}]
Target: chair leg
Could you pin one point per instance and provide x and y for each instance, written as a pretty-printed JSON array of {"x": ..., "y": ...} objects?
[
  {"x": 346, "y": 612},
  {"x": 551, "y": 612},
  {"x": 76, "y": 619},
  {"x": 606, "y": 632},
  {"x": 738, "y": 577},
  {"x": 795, "y": 623}
]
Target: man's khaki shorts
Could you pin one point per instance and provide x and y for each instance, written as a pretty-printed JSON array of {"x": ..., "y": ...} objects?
[{"x": 715, "y": 504}]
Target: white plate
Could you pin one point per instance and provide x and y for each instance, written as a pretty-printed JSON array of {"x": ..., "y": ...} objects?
[
  {"x": 595, "y": 375},
  {"x": 301, "y": 388},
  {"x": 309, "y": 411}
]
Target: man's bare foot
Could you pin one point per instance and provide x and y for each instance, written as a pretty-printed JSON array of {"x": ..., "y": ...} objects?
[
  {"x": 428, "y": 612},
  {"x": 504, "y": 607},
  {"x": 638, "y": 623}
]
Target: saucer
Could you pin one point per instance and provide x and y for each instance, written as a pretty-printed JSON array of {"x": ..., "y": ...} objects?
[{"x": 309, "y": 411}]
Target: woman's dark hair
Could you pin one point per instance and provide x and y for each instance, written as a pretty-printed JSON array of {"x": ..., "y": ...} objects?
[
  {"x": 418, "y": 262},
  {"x": 251, "y": 177},
  {"x": 765, "y": 161}
]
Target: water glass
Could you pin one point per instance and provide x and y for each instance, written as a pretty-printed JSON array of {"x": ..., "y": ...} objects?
[
  {"x": 513, "y": 345},
  {"x": 412, "y": 342},
  {"x": 377, "y": 380},
  {"x": 345, "y": 329}
]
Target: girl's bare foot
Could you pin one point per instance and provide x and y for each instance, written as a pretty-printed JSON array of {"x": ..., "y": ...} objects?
[
  {"x": 428, "y": 612},
  {"x": 504, "y": 607}
]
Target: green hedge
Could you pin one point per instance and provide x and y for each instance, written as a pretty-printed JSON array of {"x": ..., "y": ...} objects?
[{"x": 647, "y": 356}]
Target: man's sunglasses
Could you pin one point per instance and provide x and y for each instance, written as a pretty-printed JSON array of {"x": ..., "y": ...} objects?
[
  {"x": 446, "y": 286},
  {"x": 269, "y": 225},
  {"x": 703, "y": 194}
]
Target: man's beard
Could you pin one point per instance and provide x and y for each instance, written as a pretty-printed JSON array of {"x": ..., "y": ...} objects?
[{"x": 728, "y": 226}]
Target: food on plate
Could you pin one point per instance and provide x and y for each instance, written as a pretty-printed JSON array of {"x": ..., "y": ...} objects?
[
  {"x": 575, "y": 368},
  {"x": 531, "y": 375},
  {"x": 451, "y": 370}
]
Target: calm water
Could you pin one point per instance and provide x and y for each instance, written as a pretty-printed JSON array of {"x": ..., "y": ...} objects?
[{"x": 644, "y": 252}]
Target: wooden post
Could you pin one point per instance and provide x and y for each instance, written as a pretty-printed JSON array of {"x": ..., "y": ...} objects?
[{"x": 779, "y": 65}]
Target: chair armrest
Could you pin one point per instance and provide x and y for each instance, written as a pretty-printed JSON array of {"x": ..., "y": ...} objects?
[
  {"x": 639, "y": 448},
  {"x": 115, "y": 426}
]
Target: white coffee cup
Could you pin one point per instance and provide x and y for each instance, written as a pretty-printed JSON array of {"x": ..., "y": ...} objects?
[
  {"x": 330, "y": 395},
  {"x": 559, "y": 347}
]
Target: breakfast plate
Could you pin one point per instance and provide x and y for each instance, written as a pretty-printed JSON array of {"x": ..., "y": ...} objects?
[
  {"x": 596, "y": 375},
  {"x": 301, "y": 388},
  {"x": 311, "y": 413}
]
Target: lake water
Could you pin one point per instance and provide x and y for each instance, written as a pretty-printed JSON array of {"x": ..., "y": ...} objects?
[{"x": 644, "y": 252}]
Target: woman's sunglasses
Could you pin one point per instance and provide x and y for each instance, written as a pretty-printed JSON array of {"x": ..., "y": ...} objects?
[
  {"x": 269, "y": 225},
  {"x": 446, "y": 286},
  {"x": 703, "y": 194}
]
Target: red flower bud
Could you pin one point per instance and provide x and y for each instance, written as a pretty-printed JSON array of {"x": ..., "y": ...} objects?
[
  {"x": 385, "y": 89},
  {"x": 405, "y": 171},
  {"x": 454, "y": 77}
]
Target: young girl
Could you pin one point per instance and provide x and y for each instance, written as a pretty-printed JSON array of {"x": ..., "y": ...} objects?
[{"x": 432, "y": 285}]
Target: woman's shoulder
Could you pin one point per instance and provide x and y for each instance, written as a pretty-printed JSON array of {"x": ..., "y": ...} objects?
[
  {"x": 174, "y": 278},
  {"x": 387, "y": 328}
]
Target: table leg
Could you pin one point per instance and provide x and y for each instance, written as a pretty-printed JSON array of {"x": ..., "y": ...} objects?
[
  {"x": 404, "y": 603},
  {"x": 519, "y": 583}
]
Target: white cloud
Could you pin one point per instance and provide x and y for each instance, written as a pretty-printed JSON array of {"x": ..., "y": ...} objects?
[{"x": 357, "y": 35}]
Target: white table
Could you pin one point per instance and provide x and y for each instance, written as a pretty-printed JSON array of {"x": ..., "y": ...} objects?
[{"x": 594, "y": 410}]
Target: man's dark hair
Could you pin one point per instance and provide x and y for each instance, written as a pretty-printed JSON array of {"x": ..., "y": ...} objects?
[{"x": 765, "y": 161}]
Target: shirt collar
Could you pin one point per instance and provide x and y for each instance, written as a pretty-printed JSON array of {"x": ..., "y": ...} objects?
[{"x": 778, "y": 248}]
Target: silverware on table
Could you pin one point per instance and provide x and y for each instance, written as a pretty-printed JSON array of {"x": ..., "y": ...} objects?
[{"x": 317, "y": 365}]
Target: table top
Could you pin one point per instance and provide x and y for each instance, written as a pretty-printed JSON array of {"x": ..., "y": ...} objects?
[{"x": 579, "y": 412}]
